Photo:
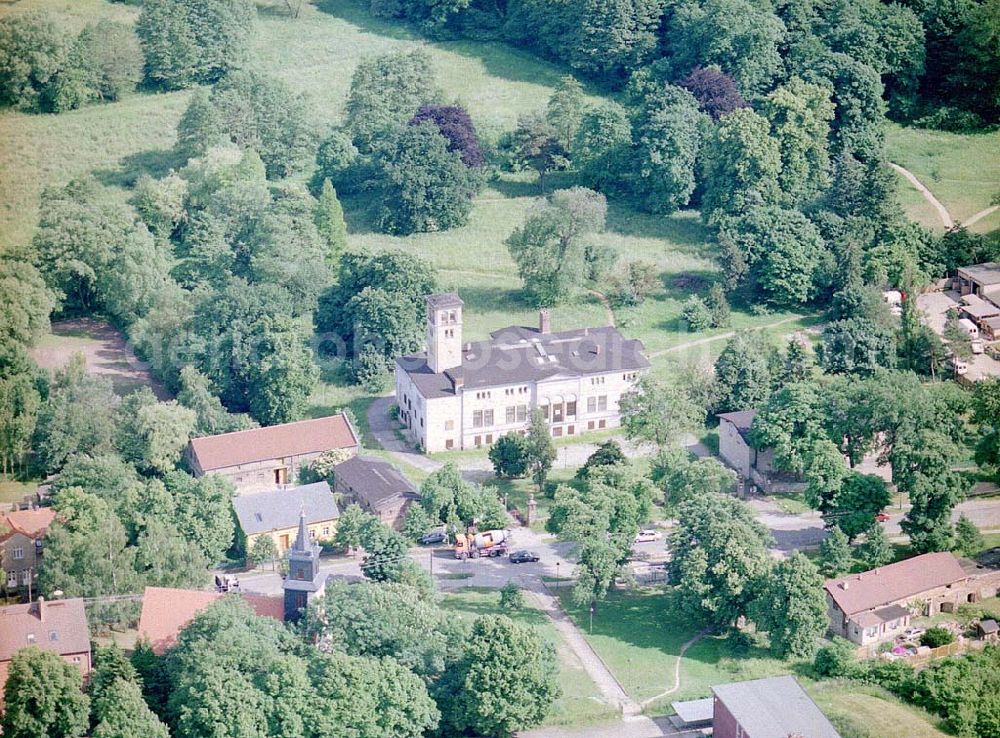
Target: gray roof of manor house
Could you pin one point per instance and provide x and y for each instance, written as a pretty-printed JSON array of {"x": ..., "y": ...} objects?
[
  {"x": 516, "y": 354},
  {"x": 280, "y": 508},
  {"x": 375, "y": 481},
  {"x": 774, "y": 708}
]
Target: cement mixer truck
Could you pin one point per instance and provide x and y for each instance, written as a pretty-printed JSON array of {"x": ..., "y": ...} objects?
[{"x": 487, "y": 543}]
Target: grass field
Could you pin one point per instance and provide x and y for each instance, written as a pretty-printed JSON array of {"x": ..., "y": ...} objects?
[
  {"x": 857, "y": 710},
  {"x": 580, "y": 702},
  {"x": 962, "y": 170}
]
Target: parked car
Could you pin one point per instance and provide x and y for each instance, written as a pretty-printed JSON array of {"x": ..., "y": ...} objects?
[
  {"x": 912, "y": 634},
  {"x": 648, "y": 536},
  {"x": 523, "y": 557},
  {"x": 882, "y": 517},
  {"x": 435, "y": 536}
]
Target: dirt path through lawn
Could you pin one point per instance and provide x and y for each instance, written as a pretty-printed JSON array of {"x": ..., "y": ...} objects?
[{"x": 946, "y": 220}]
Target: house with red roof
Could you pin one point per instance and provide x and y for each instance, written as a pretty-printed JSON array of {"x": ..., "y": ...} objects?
[
  {"x": 21, "y": 542},
  {"x": 877, "y": 605},
  {"x": 166, "y": 611},
  {"x": 272, "y": 457},
  {"x": 59, "y": 626}
]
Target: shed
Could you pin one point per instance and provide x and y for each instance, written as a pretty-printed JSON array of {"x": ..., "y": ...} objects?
[{"x": 988, "y": 630}]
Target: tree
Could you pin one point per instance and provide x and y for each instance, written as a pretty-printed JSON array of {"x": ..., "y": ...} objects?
[
  {"x": 564, "y": 110},
  {"x": 968, "y": 540},
  {"x": 454, "y": 123},
  {"x": 856, "y": 502},
  {"x": 25, "y": 300},
  {"x": 634, "y": 284},
  {"x": 203, "y": 511},
  {"x": 800, "y": 115},
  {"x": 714, "y": 90},
  {"x": 792, "y": 607},
  {"x": 329, "y": 219},
  {"x": 836, "y": 659},
  {"x": 385, "y": 552},
  {"x": 683, "y": 478},
  {"x": 189, "y": 42},
  {"x": 551, "y": 249},
  {"x": 32, "y": 53},
  {"x": 957, "y": 338},
  {"x": 43, "y": 697},
  {"x": 348, "y": 532},
  {"x": 509, "y": 455},
  {"x": 535, "y": 144},
  {"x": 19, "y": 405},
  {"x": 262, "y": 113},
  {"x": 658, "y": 413},
  {"x": 773, "y": 253},
  {"x": 608, "y": 453},
  {"x": 743, "y": 372},
  {"x": 110, "y": 664},
  {"x": 107, "y": 59},
  {"x": 385, "y": 620},
  {"x": 426, "y": 186},
  {"x": 876, "y": 551},
  {"x": 200, "y": 127},
  {"x": 825, "y": 471},
  {"x": 790, "y": 423},
  {"x": 857, "y": 346},
  {"x": 165, "y": 559},
  {"x": 742, "y": 163},
  {"x": 540, "y": 450},
  {"x": 263, "y": 549},
  {"x": 150, "y": 434},
  {"x": 835, "y": 553},
  {"x": 480, "y": 695},
  {"x": 386, "y": 91},
  {"x": 416, "y": 523},
  {"x": 602, "y": 148},
  {"x": 121, "y": 712},
  {"x": 923, "y": 461},
  {"x": 77, "y": 417},
  {"x": 667, "y": 131},
  {"x": 986, "y": 414},
  {"x": 337, "y": 159},
  {"x": 718, "y": 306},
  {"x": 596, "y": 569},
  {"x": 719, "y": 553},
  {"x": 740, "y": 37},
  {"x": 211, "y": 417},
  {"x": 511, "y": 596}
]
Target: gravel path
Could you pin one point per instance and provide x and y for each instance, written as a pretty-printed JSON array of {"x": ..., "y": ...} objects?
[{"x": 946, "y": 220}]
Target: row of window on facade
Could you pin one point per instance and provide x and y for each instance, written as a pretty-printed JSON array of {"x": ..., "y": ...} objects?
[
  {"x": 557, "y": 432},
  {"x": 12, "y": 577}
]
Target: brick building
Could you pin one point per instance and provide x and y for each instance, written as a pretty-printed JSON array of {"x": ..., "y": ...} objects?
[
  {"x": 21, "y": 545},
  {"x": 377, "y": 486},
  {"x": 59, "y": 627},
  {"x": 272, "y": 457}
]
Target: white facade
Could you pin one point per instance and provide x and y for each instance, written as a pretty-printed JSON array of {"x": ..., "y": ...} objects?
[{"x": 470, "y": 417}]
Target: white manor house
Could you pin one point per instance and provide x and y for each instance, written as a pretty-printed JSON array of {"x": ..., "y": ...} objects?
[{"x": 465, "y": 395}]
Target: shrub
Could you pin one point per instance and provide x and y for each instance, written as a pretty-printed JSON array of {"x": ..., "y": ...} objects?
[
  {"x": 836, "y": 659},
  {"x": 696, "y": 314},
  {"x": 511, "y": 597},
  {"x": 935, "y": 637}
]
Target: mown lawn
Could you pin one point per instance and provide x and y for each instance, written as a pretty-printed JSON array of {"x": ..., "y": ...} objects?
[
  {"x": 962, "y": 170},
  {"x": 580, "y": 702},
  {"x": 639, "y": 635}
]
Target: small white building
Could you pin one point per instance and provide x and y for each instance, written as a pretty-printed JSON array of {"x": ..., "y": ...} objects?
[
  {"x": 735, "y": 448},
  {"x": 465, "y": 395}
]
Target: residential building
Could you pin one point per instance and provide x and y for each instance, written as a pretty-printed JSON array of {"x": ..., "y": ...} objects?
[
  {"x": 21, "y": 544},
  {"x": 377, "y": 486},
  {"x": 876, "y": 605},
  {"x": 166, "y": 611},
  {"x": 276, "y": 514},
  {"x": 59, "y": 626},
  {"x": 271, "y": 457},
  {"x": 304, "y": 581},
  {"x": 458, "y": 395},
  {"x": 735, "y": 448},
  {"x": 776, "y": 707}
]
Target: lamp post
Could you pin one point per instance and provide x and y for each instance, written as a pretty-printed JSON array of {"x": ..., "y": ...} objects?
[
  {"x": 592, "y": 618},
  {"x": 557, "y": 572}
]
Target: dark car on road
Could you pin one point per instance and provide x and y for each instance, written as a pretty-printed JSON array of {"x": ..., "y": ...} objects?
[
  {"x": 437, "y": 536},
  {"x": 523, "y": 557}
]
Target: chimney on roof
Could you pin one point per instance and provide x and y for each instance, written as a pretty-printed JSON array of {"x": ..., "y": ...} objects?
[
  {"x": 544, "y": 321},
  {"x": 845, "y": 584},
  {"x": 41, "y": 608}
]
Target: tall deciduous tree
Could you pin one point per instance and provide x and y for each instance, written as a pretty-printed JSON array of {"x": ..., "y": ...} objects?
[
  {"x": 876, "y": 550},
  {"x": 714, "y": 90},
  {"x": 121, "y": 712},
  {"x": 541, "y": 451},
  {"x": 564, "y": 110},
  {"x": 455, "y": 124},
  {"x": 551, "y": 249},
  {"x": 480, "y": 695},
  {"x": 744, "y": 372},
  {"x": 741, "y": 166},
  {"x": 153, "y": 434},
  {"x": 602, "y": 148},
  {"x": 25, "y": 301},
  {"x": 43, "y": 697},
  {"x": 32, "y": 53},
  {"x": 719, "y": 552},
  {"x": 835, "y": 553},
  {"x": 792, "y": 607},
  {"x": 658, "y": 413}
]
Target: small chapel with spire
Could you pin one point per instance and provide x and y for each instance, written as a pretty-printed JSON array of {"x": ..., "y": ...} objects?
[{"x": 304, "y": 580}]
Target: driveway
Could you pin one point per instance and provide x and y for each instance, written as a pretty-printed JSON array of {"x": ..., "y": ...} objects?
[{"x": 934, "y": 306}]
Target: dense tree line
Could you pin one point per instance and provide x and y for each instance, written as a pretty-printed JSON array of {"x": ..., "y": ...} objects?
[{"x": 46, "y": 69}]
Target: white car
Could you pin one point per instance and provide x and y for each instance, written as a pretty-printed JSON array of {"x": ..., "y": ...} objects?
[{"x": 648, "y": 536}]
